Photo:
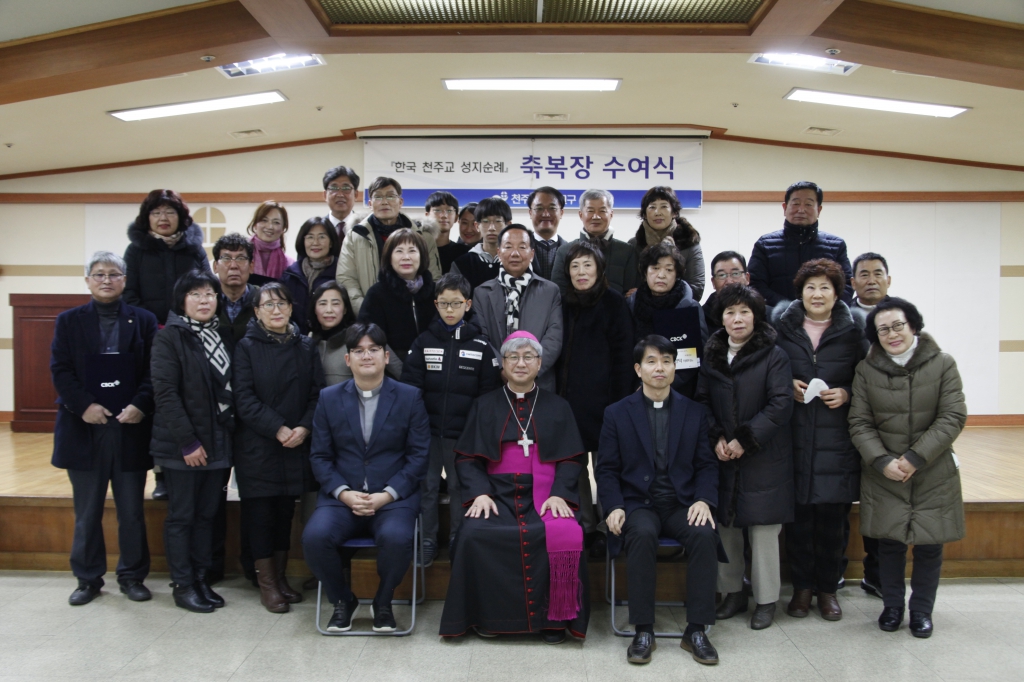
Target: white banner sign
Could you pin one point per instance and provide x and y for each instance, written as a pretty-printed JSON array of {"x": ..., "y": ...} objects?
[{"x": 473, "y": 169}]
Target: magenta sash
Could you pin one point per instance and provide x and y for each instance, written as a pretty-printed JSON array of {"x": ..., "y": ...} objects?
[{"x": 564, "y": 537}]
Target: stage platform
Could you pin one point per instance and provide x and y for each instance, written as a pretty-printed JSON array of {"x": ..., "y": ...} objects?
[{"x": 37, "y": 519}]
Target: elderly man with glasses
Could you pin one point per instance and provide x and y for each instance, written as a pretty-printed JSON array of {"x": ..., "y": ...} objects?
[
  {"x": 727, "y": 268},
  {"x": 359, "y": 263}
]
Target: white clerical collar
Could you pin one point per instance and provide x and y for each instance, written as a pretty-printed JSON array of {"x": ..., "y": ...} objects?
[
  {"x": 366, "y": 395},
  {"x": 658, "y": 404},
  {"x": 521, "y": 396}
]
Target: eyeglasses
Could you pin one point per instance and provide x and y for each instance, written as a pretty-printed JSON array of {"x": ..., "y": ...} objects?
[
  {"x": 443, "y": 211},
  {"x": 270, "y": 306},
  {"x": 450, "y": 305},
  {"x": 166, "y": 213},
  {"x": 499, "y": 223},
  {"x": 722, "y": 276},
  {"x": 342, "y": 189},
  {"x": 381, "y": 198},
  {"x": 116, "y": 277},
  {"x": 896, "y": 327},
  {"x": 541, "y": 210},
  {"x": 361, "y": 352},
  {"x": 199, "y": 296},
  {"x": 228, "y": 260},
  {"x": 528, "y": 358},
  {"x": 318, "y": 237}
]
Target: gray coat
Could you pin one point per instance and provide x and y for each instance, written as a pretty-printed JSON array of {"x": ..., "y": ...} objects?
[{"x": 541, "y": 315}]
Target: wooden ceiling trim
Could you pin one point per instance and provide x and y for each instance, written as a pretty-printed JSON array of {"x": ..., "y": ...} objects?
[
  {"x": 792, "y": 17},
  {"x": 543, "y": 29},
  {"x": 287, "y": 18},
  {"x": 945, "y": 13}
]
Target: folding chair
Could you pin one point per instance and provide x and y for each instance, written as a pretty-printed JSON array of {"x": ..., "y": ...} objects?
[
  {"x": 609, "y": 577},
  {"x": 419, "y": 589}
]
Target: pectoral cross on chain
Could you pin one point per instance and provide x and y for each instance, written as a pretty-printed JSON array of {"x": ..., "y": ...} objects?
[{"x": 526, "y": 443}]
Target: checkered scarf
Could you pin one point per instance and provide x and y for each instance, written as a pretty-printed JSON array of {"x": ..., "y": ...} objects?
[{"x": 514, "y": 288}]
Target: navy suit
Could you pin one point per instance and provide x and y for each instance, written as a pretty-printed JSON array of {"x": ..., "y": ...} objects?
[
  {"x": 395, "y": 457},
  {"x": 96, "y": 456},
  {"x": 625, "y": 471}
]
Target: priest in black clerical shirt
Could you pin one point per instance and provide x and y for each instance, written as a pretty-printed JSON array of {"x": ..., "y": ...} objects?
[
  {"x": 517, "y": 564},
  {"x": 658, "y": 477}
]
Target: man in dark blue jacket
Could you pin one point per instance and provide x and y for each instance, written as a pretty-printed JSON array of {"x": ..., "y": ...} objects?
[
  {"x": 100, "y": 367},
  {"x": 657, "y": 476},
  {"x": 778, "y": 255},
  {"x": 452, "y": 363},
  {"x": 371, "y": 439}
]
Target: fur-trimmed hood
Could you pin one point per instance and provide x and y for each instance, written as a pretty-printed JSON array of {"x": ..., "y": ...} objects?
[
  {"x": 684, "y": 235},
  {"x": 141, "y": 238},
  {"x": 789, "y": 315},
  {"x": 716, "y": 353}
]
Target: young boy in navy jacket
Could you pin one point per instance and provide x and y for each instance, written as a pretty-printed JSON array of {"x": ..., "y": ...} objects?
[{"x": 452, "y": 363}]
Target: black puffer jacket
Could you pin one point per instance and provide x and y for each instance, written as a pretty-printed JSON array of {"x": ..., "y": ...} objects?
[
  {"x": 452, "y": 369},
  {"x": 186, "y": 406},
  {"x": 295, "y": 279},
  {"x": 751, "y": 400},
  {"x": 778, "y": 255},
  {"x": 153, "y": 267},
  {"x": 595, "y": 368},
  {"x": 401, "y": 314},
  {"x": 275, "y": 384},
  {"x": 826, "y": 465}
]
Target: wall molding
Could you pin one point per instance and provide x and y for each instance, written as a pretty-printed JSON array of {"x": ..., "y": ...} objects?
[
  {"x": 1011, "y": 271},
  {"x": 1011, "y": 346},
  {"x": 42, "y": 271},
  {"x": 995, "y": 420}
]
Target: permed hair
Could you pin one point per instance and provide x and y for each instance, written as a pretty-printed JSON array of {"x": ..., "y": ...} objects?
[
  {"x": 821, "y": 267},
  {"x": 910, "y": 311}
]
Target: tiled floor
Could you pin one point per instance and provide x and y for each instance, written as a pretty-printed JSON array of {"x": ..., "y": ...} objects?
[{"x": 979, "y": 636}]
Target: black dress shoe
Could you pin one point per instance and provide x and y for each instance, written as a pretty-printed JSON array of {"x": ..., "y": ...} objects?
[
  {"x": 734, "y": 602},
  {"x": 891, "y": 618},
  {"x": 921, "y": 624},
  {"x": 202, "y": 585},
  {"x": 641, "y": 647},
  {"x": 700, "y": 648},
  {"x": 599, "y": 549},
  {"x": 871, "y": 588},
  {"x": 763, "y": 616},
  {"x": 188, "y": 598},
  {"x": 84, "y": 593},
  {"x": 160, "y": 491},
  {"x": 553, "y": 636},
  {"x": 841, "y": 584},
  {"x": 383, "y": 617},
  {"x": 341, "y": 621},
  {"x": 135, "y": 590}
]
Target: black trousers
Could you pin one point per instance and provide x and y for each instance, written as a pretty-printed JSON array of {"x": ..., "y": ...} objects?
[
  {"x": 870, "y": 555},
  {"x": 192, "y": 500},
  {"x": 392, "y": 528},
  {"x": 816, "y": 544},
  {"x": 924, "y": 578},
  {"x": 641, "y": 532},
  {"x": 220, "y": 529},
  {"x": 89, "y": 491},
  {"x": 268, "y": 524},
  {"x": 442, "y": 456}
]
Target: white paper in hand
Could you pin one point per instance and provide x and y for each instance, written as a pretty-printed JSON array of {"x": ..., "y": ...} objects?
[{"x": 814, "y": 390}]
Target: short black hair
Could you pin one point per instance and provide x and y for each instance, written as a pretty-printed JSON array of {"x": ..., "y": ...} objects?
[
  {"x": 277, "y": 290},
  {"x": 664, "y": 193},
  {"x": 584, "y": 247},
  {"x": 382, "y": 182},
  {"x": 471, "y": 207},
  {"x": 655, "y": 252},
  {"x": 804, "y": 184},
  {"x": 348, "y": 318},
  {"x": 190, "y": 281},
  {"x": 910, "y": 311},
  {"x": 442, "y": 199},
  {"x": 341, "y": 171},
  {"x": 870, "y": 255},
  {"x": 307, "y": 227},
  {"x": 559, "y": 197},
  {"x": 355, "y": 334},
  {"x": 453, "y": 281},
  {"x": 742, "y": 294},
  {"x": 232, "y": 241},
  {"x": 655, "y": 341},
  {"x": 492, "y": 206},
  {"x": 728, "y": 255},
  {"x": 518, "y": 226}
]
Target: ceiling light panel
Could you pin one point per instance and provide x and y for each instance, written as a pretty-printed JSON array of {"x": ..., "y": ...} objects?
[
  {"x": 650, "y": 11},
  {"x": 536, "y": 84},
  {"x": 875, "y": 103},
  {"x": 277, "y": 62},
  {"x": 805, "y": 62},
  {"x": 163, "y": 110},
  {"x": 430, "y": 11}
]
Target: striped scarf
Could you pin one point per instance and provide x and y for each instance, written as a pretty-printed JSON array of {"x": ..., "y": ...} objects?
[
  {"x": 514, "y": 288},
  {"x": 220, "y": 364}
]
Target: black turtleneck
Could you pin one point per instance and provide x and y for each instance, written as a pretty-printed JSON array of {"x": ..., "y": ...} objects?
[
  {"x": 801, "y": 233},
  {"x": 109, "y": 328}
]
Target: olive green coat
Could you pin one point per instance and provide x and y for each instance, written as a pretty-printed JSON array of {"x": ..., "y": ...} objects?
[{"x": 919, "y": 409}]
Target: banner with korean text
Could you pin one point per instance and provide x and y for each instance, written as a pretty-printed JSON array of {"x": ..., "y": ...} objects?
[{"x": 473, "y": 169}]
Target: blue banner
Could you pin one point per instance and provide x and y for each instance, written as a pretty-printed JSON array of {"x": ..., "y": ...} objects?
[{"x": 624, "y": 198}]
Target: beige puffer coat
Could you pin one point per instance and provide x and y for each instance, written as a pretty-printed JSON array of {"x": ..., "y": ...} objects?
[{"x": 918, "y": 408}]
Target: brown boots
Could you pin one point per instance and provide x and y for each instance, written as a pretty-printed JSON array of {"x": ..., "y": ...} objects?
[
  {"x": 281, "y": 564},
  {"x": 270, "y": 592}
]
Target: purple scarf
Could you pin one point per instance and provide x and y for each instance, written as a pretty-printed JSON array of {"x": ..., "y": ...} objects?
[
  {"x": 564, "y": 537},
  {"x": 276, "y": 259}
]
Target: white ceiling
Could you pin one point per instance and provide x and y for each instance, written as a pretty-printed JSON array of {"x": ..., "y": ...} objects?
[
  {"x": 367, "y": 90},
  {"x": 25, "y": 18},
  {"x": 1000, "y": 10}
]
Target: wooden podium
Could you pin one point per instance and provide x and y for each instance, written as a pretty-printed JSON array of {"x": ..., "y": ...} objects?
[{"x": 35, "y": 408}]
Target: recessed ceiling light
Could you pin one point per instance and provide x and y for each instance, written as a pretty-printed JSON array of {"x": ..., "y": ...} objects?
[
  {"x": 876, "y": 103},
  {"x": 276, "y": 62},
  {"x": 806, "y": 62},
  {"x": 827, "y": 132},
  {"x": 548, "y": 84},
  {"x": 218, "y": 104}
]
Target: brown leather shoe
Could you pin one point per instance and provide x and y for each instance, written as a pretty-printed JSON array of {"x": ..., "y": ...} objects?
[
  {"x": 281, "y": 564},
  {"x": 828, "y": 605},
  {"x": 270, "y": 594},
  {"x": 800, "y": 604}
]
